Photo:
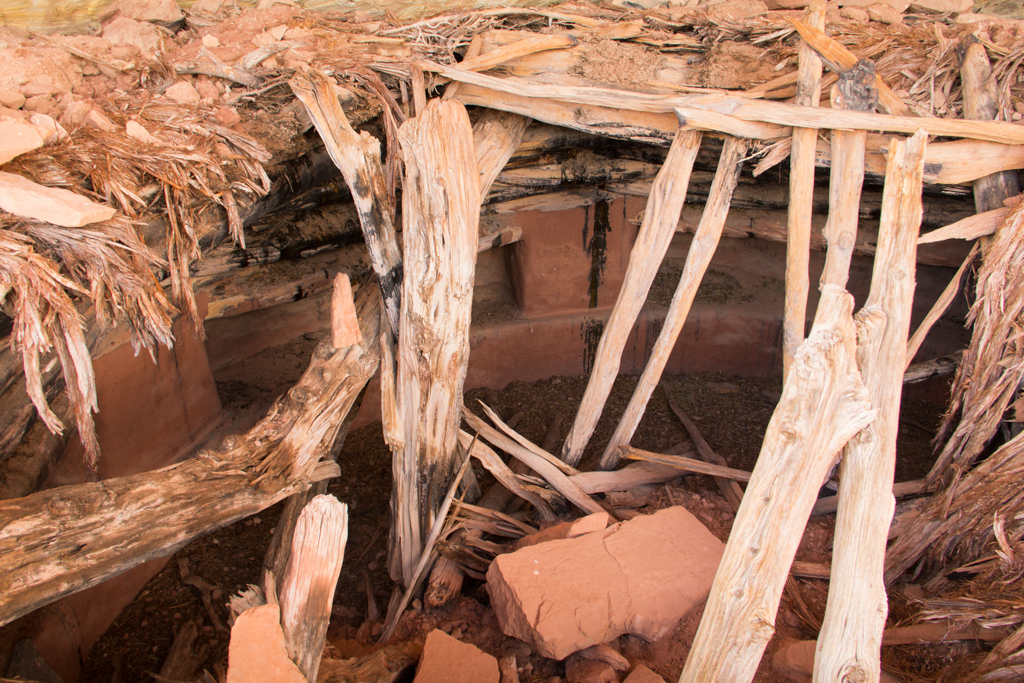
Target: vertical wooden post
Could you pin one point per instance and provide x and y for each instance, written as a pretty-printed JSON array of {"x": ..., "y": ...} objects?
[
  {"x": 702, "y": 249},
  {"x": 851, "y": 633},
  {"x": 801, "y": 196},
  {"x": 307, "y": 589},
  {"x": 659, "y": 224},
  {"x": 440, "y": 213}
]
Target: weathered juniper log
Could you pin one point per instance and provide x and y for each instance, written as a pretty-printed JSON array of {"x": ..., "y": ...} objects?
[
  {"x": 851, "y": 633},
  {"x": 698, "y": 258},
  {"x": 357, "y": 155},
  {"x": 440, "y": 213},
  {"x": 660, "y": 219},
  {"x": 307, "y": 588},
  {"x": 801, "y": 196},
  {"x": 63, "y": 540}
]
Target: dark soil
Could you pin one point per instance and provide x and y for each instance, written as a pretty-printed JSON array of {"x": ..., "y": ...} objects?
[{"x": 731, "y": 412}]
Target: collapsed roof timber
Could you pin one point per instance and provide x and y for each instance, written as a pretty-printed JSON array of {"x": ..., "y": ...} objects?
[{"x": 143, "y": 166}]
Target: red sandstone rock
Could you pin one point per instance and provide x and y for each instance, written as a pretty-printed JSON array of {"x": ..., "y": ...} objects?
[
  {"x": 11, "y": 98},
  {"x": 579, "y": 670},
  {"x": 17, "y": 137},
  {"x": 183, "y": 92},
  {"x": 227, "y": 116},
  {"x": 641, "y": 674},
  {"x": 447, "y": 660},
  {"x": 344, "y": 322},
  {"x": 97, "y": 120},
  {"x": 640, "y": 577},
  {"x": 125, "y": 31},
  {"x": 257, "y": 652},
  {"x": 22, "y": 197},
  {"x": 134, "y": 129},
  {"x": 584, "y": 525}
]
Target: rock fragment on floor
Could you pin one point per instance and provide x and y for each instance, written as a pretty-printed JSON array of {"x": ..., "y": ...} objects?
[
  {"x": 257, "y": 652},
  {"x": 580, "y": 670},
  {"x": 639, "y": 577},
  {"x": 641, "y": 674},
  {"x": 17, "y": 137},
  {"x": 22, "y": 197},
  {"x": 160, "y": 11},
  {"x": 447, "y": 660}
]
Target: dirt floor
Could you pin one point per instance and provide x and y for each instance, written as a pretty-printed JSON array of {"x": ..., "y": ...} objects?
[{"x": 731, "y": 412}]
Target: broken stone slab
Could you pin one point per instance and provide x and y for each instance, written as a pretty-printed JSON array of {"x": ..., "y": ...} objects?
[
  {"x": 639, "y": 577},
  {"x": 256, "y": 653},
  {"x": 22, "y": 197},
  {"x": 641, "y": 674},
  {"x": 448, "y": 660},
  {"x": 583, "y": 525},
  {"x": 17, "y": 137}
]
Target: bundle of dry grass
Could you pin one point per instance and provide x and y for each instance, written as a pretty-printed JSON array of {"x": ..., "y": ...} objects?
[{"x": 993, "y": 366}]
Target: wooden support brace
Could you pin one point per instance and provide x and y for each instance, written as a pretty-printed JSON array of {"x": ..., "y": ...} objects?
[
  {"x": 850, "y": 639},
  {"x": 801, "y": 197},
  {"x": 656, "y": 231},
  {"x": 702, "y": 249},
  {"x": 440, "y": 213}
]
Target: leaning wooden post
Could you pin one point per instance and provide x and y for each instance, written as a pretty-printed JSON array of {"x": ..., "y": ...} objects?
[
  {"x": 702, "y": 249},
  {"x": 659, "y": 224},
  {"x": 440, "y": 213},
  {"x": 851, "y": 634},
  {"x": 801, "y": 196},
  {"x": 307, "y": 588}
]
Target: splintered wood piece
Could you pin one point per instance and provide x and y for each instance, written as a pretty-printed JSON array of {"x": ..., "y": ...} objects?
[
  {"x": 746, "y": 109},
  {"x": 551, "y": 474},
  {"x": 981, "y": 102},
  {"x": 938, "y": 308},
  {"x": 686, "y": 464},
  {"x": 60, "y": 541},
  {"x": 497, "y": 467},
  {"x": 972, "y": 227},
  {"x": 476, "y": 44},
  {"x": 847, "y": 178},
  {"x": 307, "y": 589},
  {"x": 659, "y": 224},
  {"x": 568, "y": 470},
  {"x": 440, "y": 214},
  {"x": 344, "y": 323},
  {"x": 823, "y": 404},
  {"x": 520, "y": 48},
  {"x": 702, "y": 249},
  {"x": 730, "y": 489},
  {"x": 419, "y": 90},
  {"x": 629, "y": 477},
  {"x": 357, "y": 156},
  {"x": 840, "y": 59},
  {"x": 851, "y": 631},
  {"x": 801, "y": 196},
  {"x": 391, "y": 418},
  {"x": 496, "y": 137}
]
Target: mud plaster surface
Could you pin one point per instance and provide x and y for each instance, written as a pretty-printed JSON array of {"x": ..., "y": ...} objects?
[{"x": 623, "y": 65}]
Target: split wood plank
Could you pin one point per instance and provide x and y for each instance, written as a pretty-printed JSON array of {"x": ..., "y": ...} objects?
[
  {"x": 730, "y": 489},
  {"x": 497, "y": 467},
  {"x": 810, "y": 570},
  {"x": 496, "y": 137},
  {"x": 532, "y": 44},
  {"x": 476, "y": 44},
  {"x": 840, "y": 59},
  {"x": 357, "y": 156},
  {"x": 698, "y": 258},
  {"x": 566, "y": 469},
  {"x": 981, "y": 102},
  {"x": 803, "y": 154},
  {"x": 851, "y": 633},
  {"x": 686, "y": 464},
  {"x": 307, "y": 589},
  {"x": 951, "y": 291},
  {"x": 823, "y": 404},
  {"x": 440, "y": 213},
  {"x": 970, "y": 228},
  {"x": 60, "y": 541},
  {"x": 717, "y": 107},
  {"x": 553, "y": 475},
  {"x": 629, "y": 477},
  {"x": 660, "y": 219}
]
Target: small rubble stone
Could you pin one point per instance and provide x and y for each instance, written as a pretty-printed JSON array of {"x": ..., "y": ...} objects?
[
  {"x": 210, "y": 40},
  {"x": 885, "y": 14},
  {"x": 278, "y": 31},
  {"x": 957, "y": 6},
  {"x": 136, "y": 130},
  {"x": 11, "y": 98},
  {"x": 50, "y": 130},
  {"x": 227, "y": 116},
  {"x": 208, "y": 91},
  {"x": 207, "y": 6},
  {"x": 22, "y": 197},
  {"x": 641, "y": 674},
  {"x": 447, "y": 660},
  {"x": 183, "y": 92},
  {"x": 17, "y": 137},
  {"x": 639, "y": 577},
  {"x": 98, "y": 121},
  {"x": 140, "y": 34},
  {"x": 856, "y": 14},
  {"x": 583, "y": 525},
  {"x": 580, "y": 670},
  {"x": 42, "y": 104},
  {"x": 161, "y": 11},
  {"x": 257, "y": 651},
  {"x": 899, "y": 6}
]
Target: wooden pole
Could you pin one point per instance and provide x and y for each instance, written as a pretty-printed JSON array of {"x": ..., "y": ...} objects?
[
  {"x": 851, "y": 633},
  {"x": 823, "y": 404},
  {"x": 801, "y": 196},
  {"x": 60, "y": 541},
  {"x": 307, "y": 588},
  {"x": 440, "y": 213},
  {"x": 702, "y": 249},
  {"x": 659, "y": 223}
]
